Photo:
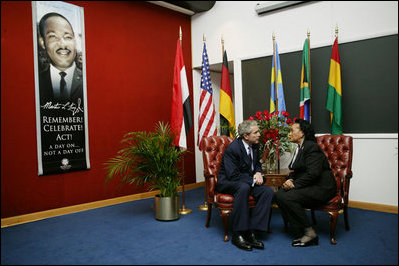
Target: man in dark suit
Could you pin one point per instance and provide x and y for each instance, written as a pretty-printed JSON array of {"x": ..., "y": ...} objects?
[
  {"x": 240, "y": 175},
  {"x": 60, "y": 80},
  {"x": 312, "y": 182}
]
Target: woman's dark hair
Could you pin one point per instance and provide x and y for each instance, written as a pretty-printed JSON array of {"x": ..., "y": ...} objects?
[{"x": 307, "y": 129}]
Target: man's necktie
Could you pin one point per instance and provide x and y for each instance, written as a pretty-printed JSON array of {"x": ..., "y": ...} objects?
[
  {"x": 62, "y": 85},
  {"x": 250, "y": 157}
]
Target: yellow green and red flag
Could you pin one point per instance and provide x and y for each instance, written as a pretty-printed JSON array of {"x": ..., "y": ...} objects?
[{"x": 334, "y": 93}]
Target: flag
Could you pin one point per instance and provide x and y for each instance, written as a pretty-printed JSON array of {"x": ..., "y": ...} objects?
[
  {"x": 304, "y": 103},
  {"x": 206, "y": 117},
  {"x": 280, "y": 91},
  {"x": 334, "y": 92},
  {"x": 181, "y": 119},
  {"x": 226, "y": 108}
]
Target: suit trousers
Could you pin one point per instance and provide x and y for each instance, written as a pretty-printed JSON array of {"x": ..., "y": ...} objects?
[
  {"x": 291, "y": 203},
  {"x": 244, "y": 218}
]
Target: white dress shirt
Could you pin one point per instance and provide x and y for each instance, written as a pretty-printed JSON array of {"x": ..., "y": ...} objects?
[{"x": 56, "y": 79}]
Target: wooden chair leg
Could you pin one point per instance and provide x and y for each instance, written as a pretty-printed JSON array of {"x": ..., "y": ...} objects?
[
  {"x": 225, "y": 218},
  {"x": 208, "y": 217},
  {"x": 313, "y": 216},
  {"x": 285, "y": 229},
  {"x": 346, "y": 218},
  {"x": 333, "y": 222},
  {"x": 269, "y": 230},
  {"x": 285, "y": 220}
]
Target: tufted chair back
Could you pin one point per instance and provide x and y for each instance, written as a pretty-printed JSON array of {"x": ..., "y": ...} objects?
[
  {"x": 213, "y": 148},
  {"x": 338, "y": 150}
]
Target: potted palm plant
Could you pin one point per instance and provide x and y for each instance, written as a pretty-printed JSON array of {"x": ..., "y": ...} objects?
[{"x": 150, "y": 157}]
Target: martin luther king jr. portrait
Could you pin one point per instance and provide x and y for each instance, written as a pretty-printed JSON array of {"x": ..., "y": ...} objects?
[{"x": 60, "y": 64}]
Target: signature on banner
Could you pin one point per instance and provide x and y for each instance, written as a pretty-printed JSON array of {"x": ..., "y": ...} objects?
[{"x": 72, "y": 107}]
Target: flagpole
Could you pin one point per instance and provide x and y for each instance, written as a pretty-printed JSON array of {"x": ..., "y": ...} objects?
[
  {"x": 183, "y": 209},
  {"x": 180, "y": 35},
  {"x": 309, "y": 81},
  {"x": 275, "y": 92},
  {"x": 220, "y": 122},
  {"x": 275, "y": 71},
  {"x": 204, "y": 207},
  {"x": 336, "y": 30},
  {"x": 222, "y": 49}
]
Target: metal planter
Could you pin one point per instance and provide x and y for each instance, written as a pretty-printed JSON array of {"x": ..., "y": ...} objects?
[{"x": 167, "y": 208}]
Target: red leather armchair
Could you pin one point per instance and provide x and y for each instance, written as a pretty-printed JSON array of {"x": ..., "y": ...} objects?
[
  {"x": 339, "y": 151},
  {"x": 213, "y": 148}
]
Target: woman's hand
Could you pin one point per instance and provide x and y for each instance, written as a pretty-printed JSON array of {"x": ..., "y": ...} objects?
[{"x": 289, "y": 184}]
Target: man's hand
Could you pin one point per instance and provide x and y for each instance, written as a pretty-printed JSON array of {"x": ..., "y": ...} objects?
[
  {"x": 258, "y": 178},
  {"x": 289, "y": 184}
]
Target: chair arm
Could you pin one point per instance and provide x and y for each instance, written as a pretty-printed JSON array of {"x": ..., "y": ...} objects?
[
  {"x": 349, "y": 175},
  {"x": 345, "y": 187},
  {"x": 210, "y": 183}
]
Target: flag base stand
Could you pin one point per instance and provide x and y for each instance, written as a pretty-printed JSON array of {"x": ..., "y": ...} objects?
[
  {"x": 203, "y": 207},
  {"x": 184, "y": 211}
]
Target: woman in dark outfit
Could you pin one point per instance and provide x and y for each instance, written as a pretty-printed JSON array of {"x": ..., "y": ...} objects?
[{"x": 312, "y": 182}]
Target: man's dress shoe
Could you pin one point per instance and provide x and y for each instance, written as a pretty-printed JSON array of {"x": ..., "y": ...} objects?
[
  {"x": 240, "y": 242},
  {"x": 251, "y": 240},
  {"x": 311, "y": 242}
]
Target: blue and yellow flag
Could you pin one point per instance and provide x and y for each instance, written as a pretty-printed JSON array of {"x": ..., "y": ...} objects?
[{"x": 280, "y": 91}]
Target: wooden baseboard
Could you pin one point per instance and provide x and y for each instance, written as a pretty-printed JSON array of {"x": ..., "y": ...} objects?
[
  {"x": 31, "y": 217},
  {"x": 373, "y": 206},
  {"x": 103, "y": 203}
]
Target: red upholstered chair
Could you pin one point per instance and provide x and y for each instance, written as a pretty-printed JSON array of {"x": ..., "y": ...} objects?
[
  {"x": 213, "y": 148},
  {"x": 339, "y": 150}
]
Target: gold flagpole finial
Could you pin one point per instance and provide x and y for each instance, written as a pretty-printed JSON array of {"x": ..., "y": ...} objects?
[
  {"x": 180, "y": 34},
  {"x": 274, "y": 36},
  {"x": 336, "y": 30},
  {"x": 222, "y": 40},
  {"x": 203, "y": 37},
  {"x": 308, "y": 34}
]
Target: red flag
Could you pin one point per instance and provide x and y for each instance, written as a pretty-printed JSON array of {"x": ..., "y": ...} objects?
[{"x": 181, "y": 119}]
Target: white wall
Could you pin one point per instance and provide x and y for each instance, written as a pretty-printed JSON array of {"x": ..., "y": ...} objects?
[{"x": 248, "y": 35}]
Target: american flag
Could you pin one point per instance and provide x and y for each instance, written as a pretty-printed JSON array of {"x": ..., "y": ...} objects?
[{"x": 206, "y": 118}]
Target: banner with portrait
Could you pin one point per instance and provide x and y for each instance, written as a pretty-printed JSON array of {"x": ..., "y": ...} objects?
[{"x": 60, "y": 87}]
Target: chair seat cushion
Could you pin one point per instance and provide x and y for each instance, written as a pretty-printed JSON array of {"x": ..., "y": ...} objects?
[
  {"x": 226, "y": 200},
  {"x": 333, "y": 204}
]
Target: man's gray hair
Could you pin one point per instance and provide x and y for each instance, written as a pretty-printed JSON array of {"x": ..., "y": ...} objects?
[{"x": 245, "y": 127}]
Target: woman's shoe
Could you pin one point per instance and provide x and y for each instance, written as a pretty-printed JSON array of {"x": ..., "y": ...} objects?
[
  {"x": 296, "y": 240},
  {"x": 311, "y": 242}
]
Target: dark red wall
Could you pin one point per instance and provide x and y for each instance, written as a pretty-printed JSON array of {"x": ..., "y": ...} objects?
[{"x": 130, "y": 51}]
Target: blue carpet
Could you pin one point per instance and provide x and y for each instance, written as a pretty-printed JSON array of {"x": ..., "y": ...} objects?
[{"x": 128, "y": 233}]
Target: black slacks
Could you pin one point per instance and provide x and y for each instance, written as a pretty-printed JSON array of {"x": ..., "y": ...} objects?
[{"x": 292, "y": 202}]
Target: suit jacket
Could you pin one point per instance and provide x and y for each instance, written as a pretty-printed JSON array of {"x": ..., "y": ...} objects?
[
  {"x": 46, "y": 89},
  {"x": 311, "y": 168},
  {"x": 236, "y": 167}
]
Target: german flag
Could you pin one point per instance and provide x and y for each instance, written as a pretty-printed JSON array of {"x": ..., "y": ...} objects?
[{"x": 226, "y": 108}]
